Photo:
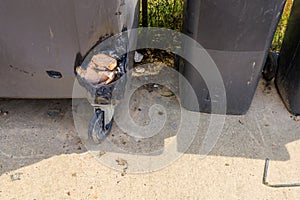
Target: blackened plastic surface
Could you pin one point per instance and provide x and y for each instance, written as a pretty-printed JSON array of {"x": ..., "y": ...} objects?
[
  {"x": 288, "y": 74},
  {"x": 237, "y": 35}
]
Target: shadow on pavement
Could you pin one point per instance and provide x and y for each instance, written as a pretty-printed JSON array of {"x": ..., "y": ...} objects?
[{"x": 33, "y": 130}]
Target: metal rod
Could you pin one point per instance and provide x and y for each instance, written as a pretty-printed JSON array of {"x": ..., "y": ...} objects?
[{"x": 265, "y": 176}]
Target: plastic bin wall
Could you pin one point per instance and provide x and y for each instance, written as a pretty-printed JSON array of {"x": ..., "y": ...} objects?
[
  {"x": 237, "y": 35},
  {"x": 288, "y": 74},
  {"x": 41, "y": 35}
]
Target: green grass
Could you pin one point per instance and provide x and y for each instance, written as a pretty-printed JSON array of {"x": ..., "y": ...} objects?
[
  {"x": 168, "y": 14},
  {"x": 165, "y": 13},
  {"x": 279, "y": 35}
]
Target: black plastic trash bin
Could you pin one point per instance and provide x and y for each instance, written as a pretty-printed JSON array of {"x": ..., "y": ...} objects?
[
  {"x": 237, "y": 35},
  {"x": 288, "y": 74}
]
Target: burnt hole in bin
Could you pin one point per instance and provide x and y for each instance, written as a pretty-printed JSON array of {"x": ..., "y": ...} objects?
[
  {"x": 54, "y": 74},
  {"x": 102, "y": 89}
]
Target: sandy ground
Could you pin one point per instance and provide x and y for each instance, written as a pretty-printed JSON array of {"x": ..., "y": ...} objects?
[{"x": 43, "y": 157}]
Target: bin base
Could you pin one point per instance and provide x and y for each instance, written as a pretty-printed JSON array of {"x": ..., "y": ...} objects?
[{"x": 240, "y": 85}]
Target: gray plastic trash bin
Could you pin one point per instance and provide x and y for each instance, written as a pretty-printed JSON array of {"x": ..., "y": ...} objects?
[{"x": 40, "y": 39}]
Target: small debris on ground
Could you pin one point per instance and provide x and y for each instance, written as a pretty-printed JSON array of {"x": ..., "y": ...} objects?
[
  {"x": 297, "y": 118},
  {"x": 138, "y": 57},
  {"x": 53, "y": 112},
  {"x": 121, "y": 162},
  {"x": 124, "y": 163},
  {"x": 123, "y": 173},
  {"x": 126, "y": 134},
  {"x": 139, "y": 70},
  {"x": 102, "y": 153},
  {"x": 267, "y": 88},
  {"x": 16, "y": 176},
  {"x": 74, "y": 174},
  {"x": 78, "y": 141},
  {"x": 165, "y": 92},
  {"x": 123, "y": 142},
  {"x": 3, "y": 113},
  {"x": 156, "y": 56}
]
